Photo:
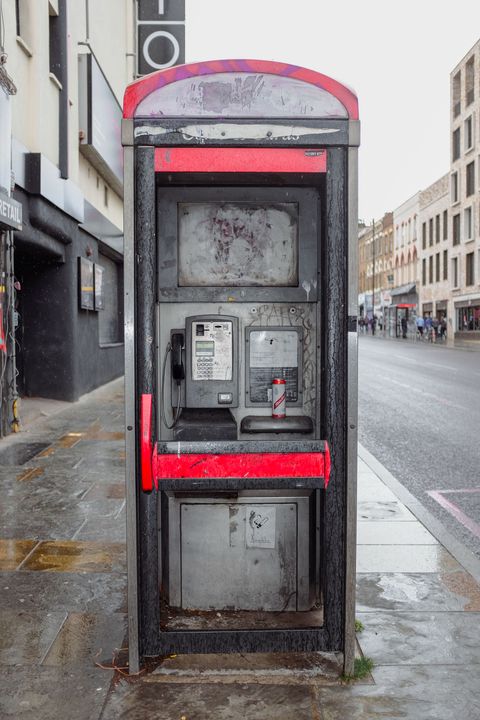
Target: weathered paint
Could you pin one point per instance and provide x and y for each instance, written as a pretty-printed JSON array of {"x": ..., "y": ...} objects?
[
  {"x": 137, "y": 91},
  {"x": 240, "y": 160}
]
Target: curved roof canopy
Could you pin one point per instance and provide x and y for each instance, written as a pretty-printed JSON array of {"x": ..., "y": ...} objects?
[{"x": 239, "y": 89}]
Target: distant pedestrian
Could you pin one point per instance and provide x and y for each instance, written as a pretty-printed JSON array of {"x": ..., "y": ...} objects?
[
  {"x": 403, "y": 323},
  {"x": 374, "y": 324},
  {"x": 420, "y": 322}
]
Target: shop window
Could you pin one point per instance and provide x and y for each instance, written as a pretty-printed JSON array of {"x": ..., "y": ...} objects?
[
  {"x": 468, "y": 318},
  {"x": 110, "y": 318}
]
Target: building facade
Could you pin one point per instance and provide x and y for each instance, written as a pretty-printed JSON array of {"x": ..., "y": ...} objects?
[
  {"x": 70, "y": 62},
  {"x": 464, "y": 241},
  {"x": 434, "y": 293},
  {"x": 405, "y": 240},
  {"x": 375, "y": 245}
]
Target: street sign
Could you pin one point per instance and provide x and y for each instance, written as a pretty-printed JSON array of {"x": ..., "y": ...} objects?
[
  {"x": 10, "y": 213},
  {"x": 160, "y": 35}
]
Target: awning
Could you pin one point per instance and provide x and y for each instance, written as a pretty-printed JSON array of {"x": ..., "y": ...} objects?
[{"x": 404, "y": 289}]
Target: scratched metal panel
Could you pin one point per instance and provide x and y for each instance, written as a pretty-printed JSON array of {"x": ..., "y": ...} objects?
[
  {"x": 224, "y": 565},
  {"x": 238, "y": 244},
  {"x": 241, "y": 95}
]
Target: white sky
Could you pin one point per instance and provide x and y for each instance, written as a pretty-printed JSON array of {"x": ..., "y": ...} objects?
[{"x": 397, "y": 56}]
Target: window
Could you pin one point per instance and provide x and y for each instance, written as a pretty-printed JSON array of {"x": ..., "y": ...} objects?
[
  {"x": 468, "y": 318},
  {"x": 455, "y": 272},
  {"x": 454, "y": 187},
  {"x": 445, "y": 264},
  {"x": 470, "y": 80},
  {"x": 430, "y": 269},
  {"x": 437, "y": 228},
  {"x": 445, "y": 224},
  {"x": 424, "y": 271},
  {"x": 430, "y": 232},
  {"x": 437, "y": 267},
  {"x": 23, "y": 25},
  {"x": 55, "y": 42},
  {"x": 456, "y": 229},
  {"x": 110, "y": 318},
  {"x": 470, "y": 178},
  {"x": 470, "y": 268},
  {"x": 468, "y": 134},
  {"x": 456, "y": 144},
  {"x": 468, "y": 223},
  {"x": 456, "y": 94},
  {"x": 424, "y": 235}
]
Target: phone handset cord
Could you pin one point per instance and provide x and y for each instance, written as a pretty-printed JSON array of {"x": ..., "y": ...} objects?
[{"x": 178, "y": 410}]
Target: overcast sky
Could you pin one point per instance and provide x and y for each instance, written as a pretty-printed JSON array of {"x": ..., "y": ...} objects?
[{"x": 397, "y": 56}]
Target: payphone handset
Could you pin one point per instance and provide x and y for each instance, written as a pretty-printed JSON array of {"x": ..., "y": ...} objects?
[{"x": 211, "y": 361}]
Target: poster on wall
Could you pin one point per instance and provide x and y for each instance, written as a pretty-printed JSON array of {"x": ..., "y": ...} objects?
[
  {"x": 85, "y": 284},
  {"x": 99, "y": 288}
]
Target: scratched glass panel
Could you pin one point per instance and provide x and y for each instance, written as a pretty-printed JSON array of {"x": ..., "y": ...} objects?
[
  {"x": 237, "y": 244},
  {"x": 241, "y": 95}
]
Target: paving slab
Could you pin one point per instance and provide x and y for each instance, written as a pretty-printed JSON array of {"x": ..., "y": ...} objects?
[
  {"x": 404, "y": 559},
  {"x": 67, "y": 592},
  {"x": 383, "y": 510},
  {"x": 207, "y": 701},
  {"x": 421, "y": 638},
  {"x": 47, "y": 693},
  {"x": 25, "y": 637},
  {"x": 411, "y": 693},
  {"x": 417, "y": 591},
  {"x": 380, "y": 532}
]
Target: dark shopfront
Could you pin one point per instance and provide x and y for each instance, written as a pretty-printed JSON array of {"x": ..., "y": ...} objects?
[
  {"x": 403, "y": 308},
  {"x": 467, "y": 321},
  {"x": 64, "y": 350}
]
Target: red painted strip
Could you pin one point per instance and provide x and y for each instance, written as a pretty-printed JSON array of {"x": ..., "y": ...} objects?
[
  {"x": 146, "y": 443},
  {"x": 239, "y": 465},
  {"x": 139, "y": 89},
  {"x": 240, "y": 160}
]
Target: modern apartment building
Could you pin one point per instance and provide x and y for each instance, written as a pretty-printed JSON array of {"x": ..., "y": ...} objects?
[
  {"x": 405, "y": 251},
  {"x": 464, "y": 243},
  {"x": 70, "y": 62},
  {"x": 434, "y": 296}
]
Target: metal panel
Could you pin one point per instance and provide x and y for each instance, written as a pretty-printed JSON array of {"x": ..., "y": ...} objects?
[
  {"x": 352, "y": 418},
  {"x": 251, "y": 133},
  {"x": 334, "y": 394},
  {"x": 130, "y": 414},
  {"x": 146, "y": 267},
  {"x": 259, "y": 378}
]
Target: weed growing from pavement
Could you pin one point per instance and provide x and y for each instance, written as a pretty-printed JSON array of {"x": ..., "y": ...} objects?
[
  {"x": 359, "y": 627},
  {"x": 362, "y": 667}
]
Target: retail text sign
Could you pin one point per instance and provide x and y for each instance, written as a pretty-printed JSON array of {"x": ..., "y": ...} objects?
[
  {"x": 160, "y": 34},
  {"x": 10, "y": 213}
]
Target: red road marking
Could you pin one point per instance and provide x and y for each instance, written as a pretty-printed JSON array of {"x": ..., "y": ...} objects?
[{"x": 454, "y": 510}]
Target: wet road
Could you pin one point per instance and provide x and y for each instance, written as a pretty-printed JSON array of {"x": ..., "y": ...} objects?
[{"x": 419, "y": 415}]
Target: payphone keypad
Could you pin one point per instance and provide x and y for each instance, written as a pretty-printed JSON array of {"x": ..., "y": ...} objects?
[{"x": 212, "y": 350}]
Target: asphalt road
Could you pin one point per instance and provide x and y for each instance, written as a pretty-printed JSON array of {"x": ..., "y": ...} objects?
[{"x": 419, "y": 415}]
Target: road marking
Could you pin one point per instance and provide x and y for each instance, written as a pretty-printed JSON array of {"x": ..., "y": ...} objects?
[
  {"x": 454, "y": 510},
  {"x": 420, "y": 391}
]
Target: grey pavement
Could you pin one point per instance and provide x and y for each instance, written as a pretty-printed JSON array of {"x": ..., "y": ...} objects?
[{"x": 62, "y": 601}]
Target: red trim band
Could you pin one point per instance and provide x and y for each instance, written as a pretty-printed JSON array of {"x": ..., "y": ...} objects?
[
  {"x": 146, "y": 450},
  {"x": 240, "y": 465},
  {"x": 240, "y": 160}
]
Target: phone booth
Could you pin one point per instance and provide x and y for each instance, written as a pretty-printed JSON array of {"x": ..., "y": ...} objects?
[{"x": 241, "y": 360}]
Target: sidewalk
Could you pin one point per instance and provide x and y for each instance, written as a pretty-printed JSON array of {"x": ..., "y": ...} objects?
[{"x": 63, "y": 582}]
